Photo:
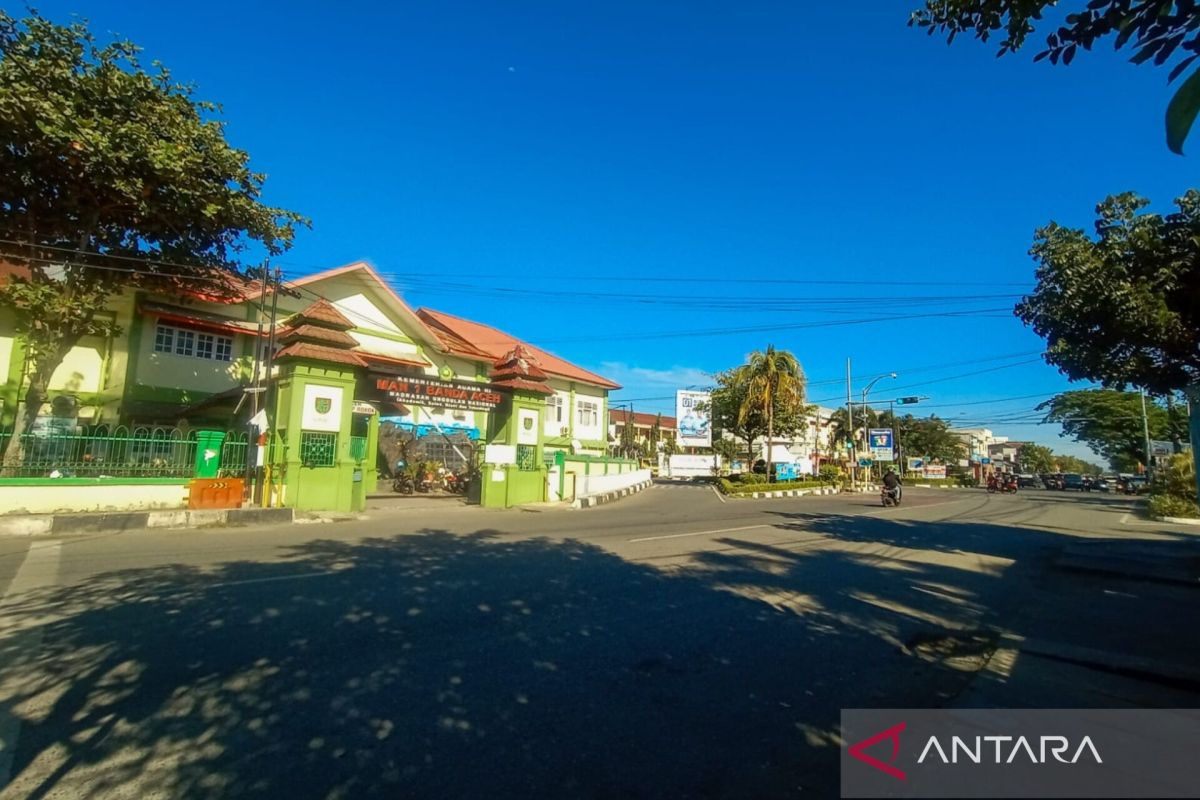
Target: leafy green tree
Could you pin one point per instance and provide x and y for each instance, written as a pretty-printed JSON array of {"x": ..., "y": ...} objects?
[
  {"x": 1110, "y": 422},
  {"x": 929, "y": 437},
  {"x": 774, "y": 380},
  {"x": 864, "y": 418},
  {"x": 629, "y": 442},
  {"x": 1075, "y": 464},
  {"x": 112, "y": 176},
  {"x": 1035, "y": 458},
  {"x": 655, "y": 438},
  {"x": 1156, "y": 30},
  {"x": 1122, "y": 308},
  {"x": 729, "y": 398}
]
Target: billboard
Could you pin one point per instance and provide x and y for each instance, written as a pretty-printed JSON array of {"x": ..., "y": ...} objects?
[
  {"x": 694, "y": 424},
  {"x": 881, "y": 444}
]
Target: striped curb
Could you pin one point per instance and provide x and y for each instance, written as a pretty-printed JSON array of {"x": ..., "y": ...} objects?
[
  {"x": 118, "y": 522},
  {"x": 608, "y": 497},
  {"x": 784, "y": 493}
]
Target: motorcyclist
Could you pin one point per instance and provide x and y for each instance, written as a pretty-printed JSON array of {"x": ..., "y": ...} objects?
[{"x": 892, "y": 482}]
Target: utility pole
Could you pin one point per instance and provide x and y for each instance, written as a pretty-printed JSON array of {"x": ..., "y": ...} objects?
[
  {"x": 1146, "y": 431},
  {"x": 251, "y": 433},
  {"x": 850, "y": 422},
  {"x": 260, "y": 498}
]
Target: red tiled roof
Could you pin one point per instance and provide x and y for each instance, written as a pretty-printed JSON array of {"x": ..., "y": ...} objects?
[
  {"x": 323, "y": 312},
  {"x": 476, "y": 340},
  {"x": 621, "y": 415},
  {"x": 196, "y": 318},
  {"x": 320, "y": 353},
  {"x": 315, "y": 333}
]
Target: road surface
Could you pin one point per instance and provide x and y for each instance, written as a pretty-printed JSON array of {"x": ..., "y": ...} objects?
[{"x": 673, "y": 644}]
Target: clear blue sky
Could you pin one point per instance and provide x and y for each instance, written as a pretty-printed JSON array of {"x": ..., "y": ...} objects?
[{"x": 572, "y": 147}]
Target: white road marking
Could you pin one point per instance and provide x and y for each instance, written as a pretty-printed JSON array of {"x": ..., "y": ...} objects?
[
  {"x": 698, "y": 533},
  {"x": 39, "y": 569},
  {"x": 717, "y": 492}
]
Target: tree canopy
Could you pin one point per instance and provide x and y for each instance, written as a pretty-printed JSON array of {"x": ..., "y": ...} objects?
[
  {"x": 1123, "y": 307},
  {"x": 774, "y": 380},
  {"x": 1110, "y": 423},
  {"x": 1157, "y": 31},
  {"x": 1036, "y": 458},
  {"x": 112, "y": 175},
  {"x": 732, "y": 395},
  {"x": 928, "y": 437}
]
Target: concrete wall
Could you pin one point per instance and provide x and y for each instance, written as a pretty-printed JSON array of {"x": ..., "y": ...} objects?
[
  {"x": 589, "y": 485},
  {"x": 39, "y": 496}
]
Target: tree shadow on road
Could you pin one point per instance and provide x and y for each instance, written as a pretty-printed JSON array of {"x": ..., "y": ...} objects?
[{"x": 440, "y": 665}]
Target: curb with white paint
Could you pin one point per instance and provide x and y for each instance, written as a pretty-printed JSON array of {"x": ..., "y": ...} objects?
[
  {"x": 117, "y": 522},
  {"x": 785, "y": 493},
  {"x": 608, "y": 497},
  {"x": 1182, "y": 520}
]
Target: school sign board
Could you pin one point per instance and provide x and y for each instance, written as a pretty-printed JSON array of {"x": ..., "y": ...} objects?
[{"x": 693, "y": 418}]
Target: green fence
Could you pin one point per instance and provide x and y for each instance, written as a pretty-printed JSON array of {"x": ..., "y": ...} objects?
[
  {"x": 233, "y": 456},
  {"x": 358, "y": 448},
  {"x": 116, "y": 452}
]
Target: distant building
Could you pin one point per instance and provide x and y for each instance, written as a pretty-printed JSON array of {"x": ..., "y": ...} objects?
[{"x": 618, "y": 419}]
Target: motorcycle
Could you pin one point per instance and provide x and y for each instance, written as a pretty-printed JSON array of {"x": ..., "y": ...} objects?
[
  {"x": 1009, "y": 486},
  {"x": 890, "y": 497},
  {"x": 403, "y": 481}
]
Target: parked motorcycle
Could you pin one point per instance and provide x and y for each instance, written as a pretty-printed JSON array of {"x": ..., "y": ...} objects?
[
  {"x": 402, "y": 481},
  {"x": 890, "y": 497}
]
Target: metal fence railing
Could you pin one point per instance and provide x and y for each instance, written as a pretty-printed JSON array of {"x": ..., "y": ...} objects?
[
  {"x": 139, "y": 452},
  {"x": 233, "y": 456},
  {"x": 358, "y": 448}
]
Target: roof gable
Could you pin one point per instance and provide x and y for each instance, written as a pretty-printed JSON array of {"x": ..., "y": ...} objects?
[{"x": 476, "y": 340}]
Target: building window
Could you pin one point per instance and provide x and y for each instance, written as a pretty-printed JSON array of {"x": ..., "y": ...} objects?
[
  {"x": 554, "y": 409},
  {"x": 587, "y": 413},
  {"x": 164, "y": 339},
  {"x": 185, "y": 342}
]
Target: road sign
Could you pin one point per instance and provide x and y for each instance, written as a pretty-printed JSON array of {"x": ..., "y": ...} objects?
[
  {"x": 1160, "y": 448},
  {"x": 865, "y": 462},
  {"x": 907, "y": 401},
  {"x": 984, "y": 460}
]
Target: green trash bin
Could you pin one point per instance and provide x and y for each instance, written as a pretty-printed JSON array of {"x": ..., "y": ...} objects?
[{"x": 208, "y": 453}]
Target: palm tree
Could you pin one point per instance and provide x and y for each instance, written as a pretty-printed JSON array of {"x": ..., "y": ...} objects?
[{"x": 773, "y": 379}]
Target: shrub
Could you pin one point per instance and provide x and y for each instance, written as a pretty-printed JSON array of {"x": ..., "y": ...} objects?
[
  {"x": 1165, "y": 505},
  {"x": 774, "y": 487},
  {"x": 751, "y": 477},
  {"x": 1177, "y": 479},
  {"x": 830, "y": 474},
  {"x": 967, "y": 480}
]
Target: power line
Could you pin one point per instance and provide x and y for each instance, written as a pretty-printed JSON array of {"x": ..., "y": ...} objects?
[{"x": 614, "y": 276}]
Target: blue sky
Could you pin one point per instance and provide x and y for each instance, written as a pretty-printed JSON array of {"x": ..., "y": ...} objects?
[{"x": 671, "y": 152}]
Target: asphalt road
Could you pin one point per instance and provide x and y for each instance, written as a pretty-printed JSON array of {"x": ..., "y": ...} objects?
[{"x": 671, "y": 645}]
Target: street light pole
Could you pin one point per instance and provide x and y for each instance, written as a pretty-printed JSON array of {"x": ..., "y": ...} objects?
[{"x": 866, "y": 391}]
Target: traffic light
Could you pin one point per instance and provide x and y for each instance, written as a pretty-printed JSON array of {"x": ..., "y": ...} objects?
[{"x": 907, "y": 401}]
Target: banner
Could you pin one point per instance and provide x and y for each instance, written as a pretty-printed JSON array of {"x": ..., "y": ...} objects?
[
  {"x": 937, "y": 471},
  {"x": 695, "y": 425},
  {"x": 881, "y": 444},
  {"x": 436, "y": 393}
]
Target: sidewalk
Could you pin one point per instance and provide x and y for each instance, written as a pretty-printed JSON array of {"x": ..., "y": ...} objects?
[{"x": 1106, "y": 624}]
